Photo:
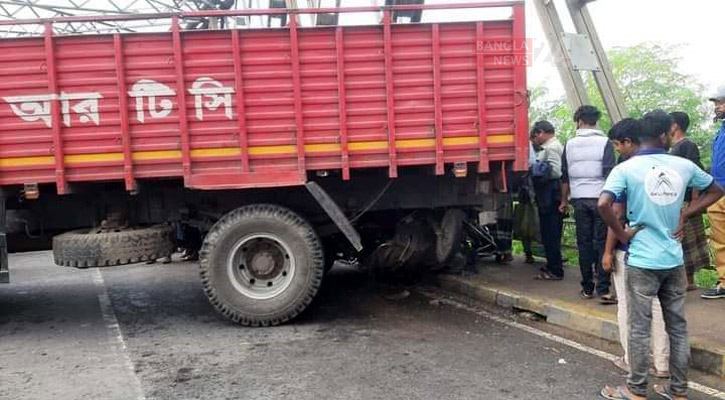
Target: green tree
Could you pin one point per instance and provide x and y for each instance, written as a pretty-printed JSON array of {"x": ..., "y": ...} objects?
[{"x": 649, "y": 77}]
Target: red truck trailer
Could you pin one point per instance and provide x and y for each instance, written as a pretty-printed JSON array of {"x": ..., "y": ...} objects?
[{"x": 287, "y": 147}]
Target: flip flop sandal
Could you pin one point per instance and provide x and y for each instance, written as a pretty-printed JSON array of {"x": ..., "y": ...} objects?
[
  {"x": 666, "y": 392},
  {"x": 608, "y": 299},
  {"x": 545, "y": 276},
  {"x": 615, "y": 393}
]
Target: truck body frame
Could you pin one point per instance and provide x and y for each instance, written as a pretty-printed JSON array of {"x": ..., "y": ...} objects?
[{"x": 335, "y": 123}]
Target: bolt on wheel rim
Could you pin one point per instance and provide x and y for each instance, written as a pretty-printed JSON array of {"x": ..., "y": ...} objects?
[{"x": 261, "y": 266}]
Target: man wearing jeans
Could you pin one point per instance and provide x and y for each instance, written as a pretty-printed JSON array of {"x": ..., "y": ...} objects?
[
  {"x": 655, "y": 184},
  {"x": 588, "y": 158}
]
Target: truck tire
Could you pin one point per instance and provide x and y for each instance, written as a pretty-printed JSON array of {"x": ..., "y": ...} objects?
[
  {"x": 261, "y": 265},
  {"x": 85, "y": 248},
  {"x": 449, "y": 235}
]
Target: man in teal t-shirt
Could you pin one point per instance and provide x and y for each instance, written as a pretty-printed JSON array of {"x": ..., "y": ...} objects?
[{"x": 655, "y": 184}]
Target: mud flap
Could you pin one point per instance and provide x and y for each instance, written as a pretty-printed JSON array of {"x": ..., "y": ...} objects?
[{"x": 336, "y": 215}]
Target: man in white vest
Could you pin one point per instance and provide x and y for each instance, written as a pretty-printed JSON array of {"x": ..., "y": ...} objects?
[{"x": 588, "y": 158}]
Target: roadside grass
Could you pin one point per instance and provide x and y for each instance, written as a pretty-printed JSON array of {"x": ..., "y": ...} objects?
[{"x": 705, "y": 278}]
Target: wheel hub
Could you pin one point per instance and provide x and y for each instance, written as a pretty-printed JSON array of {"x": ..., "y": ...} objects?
[
  {"x": 261, "y": 266},
  {"x": 265, "y": 260}
]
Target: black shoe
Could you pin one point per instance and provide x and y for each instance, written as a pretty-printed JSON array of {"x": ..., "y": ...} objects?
[
  {"x": 717, "y": 292},
  {"x": 586, "y": 295},
  {"x": 530, "y": 259}
]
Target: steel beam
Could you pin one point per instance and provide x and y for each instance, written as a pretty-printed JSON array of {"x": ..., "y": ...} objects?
[
  {"x": 612, "y": 96},
  {"x": 576, "y": 91}
]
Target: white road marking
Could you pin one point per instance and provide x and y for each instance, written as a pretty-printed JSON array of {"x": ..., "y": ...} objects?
[
  {"x": 599, "y": 353},
  {"x": 109, "y": 317}
]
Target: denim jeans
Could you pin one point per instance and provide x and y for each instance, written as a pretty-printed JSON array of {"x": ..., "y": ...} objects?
[
  {"x": 591, "y": 232},
  {"x": 669, "y": 285}
]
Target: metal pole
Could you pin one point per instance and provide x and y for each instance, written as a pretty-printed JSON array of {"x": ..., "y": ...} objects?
[
  {"x": 576, "y": 92},
  {"x": 612, "y": 96}
]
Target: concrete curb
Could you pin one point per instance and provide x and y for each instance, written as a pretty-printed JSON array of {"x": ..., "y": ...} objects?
[{"x": 706, "y": 357}]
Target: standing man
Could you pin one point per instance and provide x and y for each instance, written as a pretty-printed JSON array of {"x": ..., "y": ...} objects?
[
  {"x": 588, "y": 159},
  {"x": 694, "y": 244},
  {"x": 717, "y": 211},
  {"x": 655, "y": 184},
  {"x": 625, "y": 138},
  {"x": 546, "y": 175}
]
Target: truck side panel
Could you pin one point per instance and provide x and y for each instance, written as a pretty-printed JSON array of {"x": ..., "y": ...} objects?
[{"x": 261, "y": 107}]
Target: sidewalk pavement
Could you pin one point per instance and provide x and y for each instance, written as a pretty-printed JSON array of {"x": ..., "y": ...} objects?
[{"x": 513, "y": 286}]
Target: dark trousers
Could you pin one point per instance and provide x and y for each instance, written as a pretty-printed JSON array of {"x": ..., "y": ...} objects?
[
  {"x": 670, "y": 286},
  {"x": 526, "y": 242},
  {"x": 551, "y": 222},
  {"x": 591, "y": 233}
]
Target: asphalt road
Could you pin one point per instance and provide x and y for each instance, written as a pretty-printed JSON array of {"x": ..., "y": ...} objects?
[{"x": 148, "y": 332}]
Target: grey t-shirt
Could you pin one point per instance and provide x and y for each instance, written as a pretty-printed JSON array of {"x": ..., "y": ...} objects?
[{"x": 551, "y": 152}]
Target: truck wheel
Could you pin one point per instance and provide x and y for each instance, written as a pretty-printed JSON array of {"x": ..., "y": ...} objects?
[
  {"x": 261, "y": 265},
  {"x": 449, "y": 235},
  {"x": 85, "y": 248}
]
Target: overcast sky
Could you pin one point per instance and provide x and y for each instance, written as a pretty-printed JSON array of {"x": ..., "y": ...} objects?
[{"x": 692, "y": 23}]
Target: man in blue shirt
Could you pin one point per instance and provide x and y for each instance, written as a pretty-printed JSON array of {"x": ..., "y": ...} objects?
[
  {"x": 655, "y": 184},
  {"x": 717, "y": 211}
]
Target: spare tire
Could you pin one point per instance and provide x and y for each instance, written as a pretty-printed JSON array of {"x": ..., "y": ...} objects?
[{"x": 85, "y": 248}]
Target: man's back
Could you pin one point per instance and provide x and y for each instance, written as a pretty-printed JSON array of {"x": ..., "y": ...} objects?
[{"x": 589, "y": 156}]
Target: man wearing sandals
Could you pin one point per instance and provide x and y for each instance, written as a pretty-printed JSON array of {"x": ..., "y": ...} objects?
[
  {"x": 588, "y": 158},
  {"x": 625, "y": 138},
  {"x": 546, "y": 176},
  {"x": 655, "y": 184}
]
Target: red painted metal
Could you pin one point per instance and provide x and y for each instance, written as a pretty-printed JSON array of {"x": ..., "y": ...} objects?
[
  {"x": 123, "y": 114},
  {"x": 283, "y": 102},
  {"x": 342, "y": 102},
  {"x": 481, "y": 84},
  {"x": 389, "y": 92},
  {"x": 60, "y": 180},
  {"x": 181, "y": 98},
  {"x": 438, "y": 131},
  {"x": 521, "y": 104},
  {"x": 239, "y": 84},
  {"x": 296, "y": 89},
  {"x": 268, "y": 11}
]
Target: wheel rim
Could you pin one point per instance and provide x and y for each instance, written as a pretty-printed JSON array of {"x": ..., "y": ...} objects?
[{"x": 261, "y": 266}]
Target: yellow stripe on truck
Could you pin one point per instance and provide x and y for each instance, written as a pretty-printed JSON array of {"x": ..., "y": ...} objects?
[
  {"x": 253, "y": 150},
  {"x": 26, "y": 161}
]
